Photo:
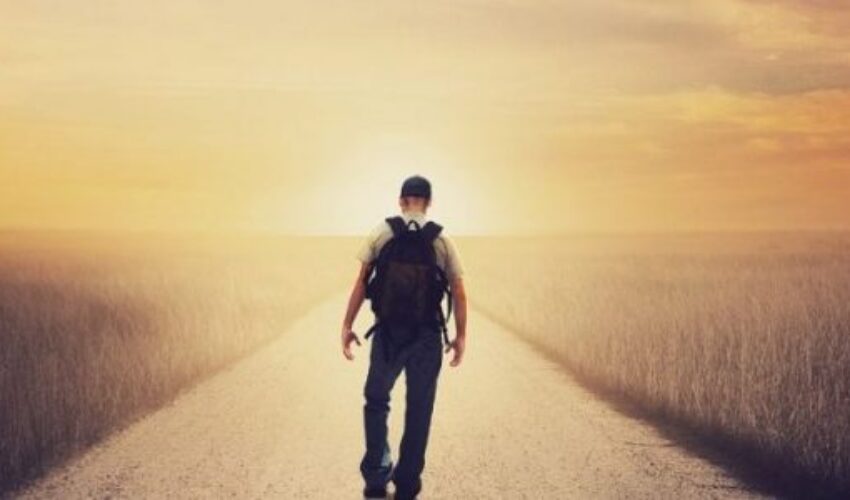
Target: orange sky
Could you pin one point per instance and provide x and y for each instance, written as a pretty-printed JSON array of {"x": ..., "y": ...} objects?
[{"x": 586, "y": 115}]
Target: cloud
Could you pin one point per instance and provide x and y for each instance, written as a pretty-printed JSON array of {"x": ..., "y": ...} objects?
[
  {"x": 177, "y": 98},
  {"x": 822, "y": 112}
]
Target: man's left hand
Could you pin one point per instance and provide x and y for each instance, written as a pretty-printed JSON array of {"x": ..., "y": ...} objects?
[{"x": 458, "y": 345}]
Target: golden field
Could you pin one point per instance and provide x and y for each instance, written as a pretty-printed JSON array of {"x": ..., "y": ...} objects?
[
  {"x": 738, "y": 339},
  {"x": 742, "y": 339},
  {"x": 97, "y": 330}
]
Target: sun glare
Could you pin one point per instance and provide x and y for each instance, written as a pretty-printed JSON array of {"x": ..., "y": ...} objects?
[{"x": 362, "y": 187}]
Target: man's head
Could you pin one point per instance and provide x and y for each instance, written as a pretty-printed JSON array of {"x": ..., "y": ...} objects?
[{"x": 415, "y": 194}]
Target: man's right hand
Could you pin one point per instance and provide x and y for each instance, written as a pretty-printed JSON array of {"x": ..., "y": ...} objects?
[{"x": 347, "y": 337}]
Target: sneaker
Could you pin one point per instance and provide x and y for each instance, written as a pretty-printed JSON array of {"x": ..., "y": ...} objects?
[{"x": 375, "y": 493}]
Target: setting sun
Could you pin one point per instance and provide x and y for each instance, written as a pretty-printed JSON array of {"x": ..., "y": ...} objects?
[
  {"x": 361, "y": 186},
  {"x": 303, "y": 117}
]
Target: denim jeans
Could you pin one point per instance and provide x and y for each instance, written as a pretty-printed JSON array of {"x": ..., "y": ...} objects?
[{"x": 421, "y": 361}]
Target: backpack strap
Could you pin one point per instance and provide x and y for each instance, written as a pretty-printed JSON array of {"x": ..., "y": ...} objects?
[
  {"x": 371, "y": 330},
  {"x": 431, "y": 230},
  {"x": 444, "y": 318},
  {"x": 449, "y": 300},
  {"x": 368, "y": 275},
  {"x": 377, "y": 326},
  {"x": 397, "y": 225}
]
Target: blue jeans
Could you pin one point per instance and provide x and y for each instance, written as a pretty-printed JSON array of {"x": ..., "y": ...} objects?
[{"x": 421, "y": 361}]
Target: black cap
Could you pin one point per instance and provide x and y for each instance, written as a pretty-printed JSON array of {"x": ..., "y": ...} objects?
[{"x": 416, "y": 186}]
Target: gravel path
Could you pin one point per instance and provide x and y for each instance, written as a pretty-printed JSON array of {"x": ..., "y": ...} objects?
[{"x": 286, "y": 423}]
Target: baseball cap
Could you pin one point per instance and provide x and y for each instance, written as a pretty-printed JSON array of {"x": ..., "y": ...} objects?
[{"x": 416, "y": 186}]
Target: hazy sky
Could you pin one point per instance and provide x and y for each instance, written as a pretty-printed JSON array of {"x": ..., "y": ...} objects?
[{"x": 528, "y": 115}]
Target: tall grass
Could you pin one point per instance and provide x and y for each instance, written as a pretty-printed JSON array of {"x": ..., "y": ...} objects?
[
  {"x": 94, "y": 335},
  {"x": 746, "y": 341}
]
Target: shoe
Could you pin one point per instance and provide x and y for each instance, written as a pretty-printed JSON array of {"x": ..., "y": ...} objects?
[
  {"x": 403, "y": 495},
  {"x": 375, "y": 493}
]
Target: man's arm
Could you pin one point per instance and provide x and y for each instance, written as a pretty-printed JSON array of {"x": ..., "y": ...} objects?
[
  {"x": 459, "y": 343},
  {"x": 355, "y": 300}
]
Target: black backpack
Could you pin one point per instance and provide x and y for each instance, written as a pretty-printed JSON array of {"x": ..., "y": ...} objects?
[{"x": 405, "y": 285}]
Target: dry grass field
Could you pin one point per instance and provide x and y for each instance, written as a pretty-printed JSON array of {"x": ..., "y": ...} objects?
[
  {"x": 96, "y": 331},
  {"x": 744, "y": 339}
]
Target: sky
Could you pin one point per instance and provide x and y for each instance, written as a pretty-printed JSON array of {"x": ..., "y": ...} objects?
[{"x": 528, "y": 116}]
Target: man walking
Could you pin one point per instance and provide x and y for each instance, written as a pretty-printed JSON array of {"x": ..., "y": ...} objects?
[{"x": 407, "y": 266}]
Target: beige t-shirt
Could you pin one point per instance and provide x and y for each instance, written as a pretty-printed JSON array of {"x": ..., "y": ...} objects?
[{"x": 447, "y": 256}]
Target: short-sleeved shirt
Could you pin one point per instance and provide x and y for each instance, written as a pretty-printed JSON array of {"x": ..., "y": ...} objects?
[{"x": 447, "y": 255}]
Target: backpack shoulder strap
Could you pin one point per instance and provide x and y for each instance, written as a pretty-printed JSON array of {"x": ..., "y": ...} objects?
[
  {"x": 397, "y": 225},
  {"x": 431, "y": 230}
]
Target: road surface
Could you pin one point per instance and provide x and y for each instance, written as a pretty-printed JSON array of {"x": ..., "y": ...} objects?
[{"x": 286, "y": 423}]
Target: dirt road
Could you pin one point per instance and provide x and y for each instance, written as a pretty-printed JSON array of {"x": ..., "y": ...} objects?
[{"x": 286, "y": 423}]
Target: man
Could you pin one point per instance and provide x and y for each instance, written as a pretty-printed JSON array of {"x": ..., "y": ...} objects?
[{"x": 421, "y": 359}]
